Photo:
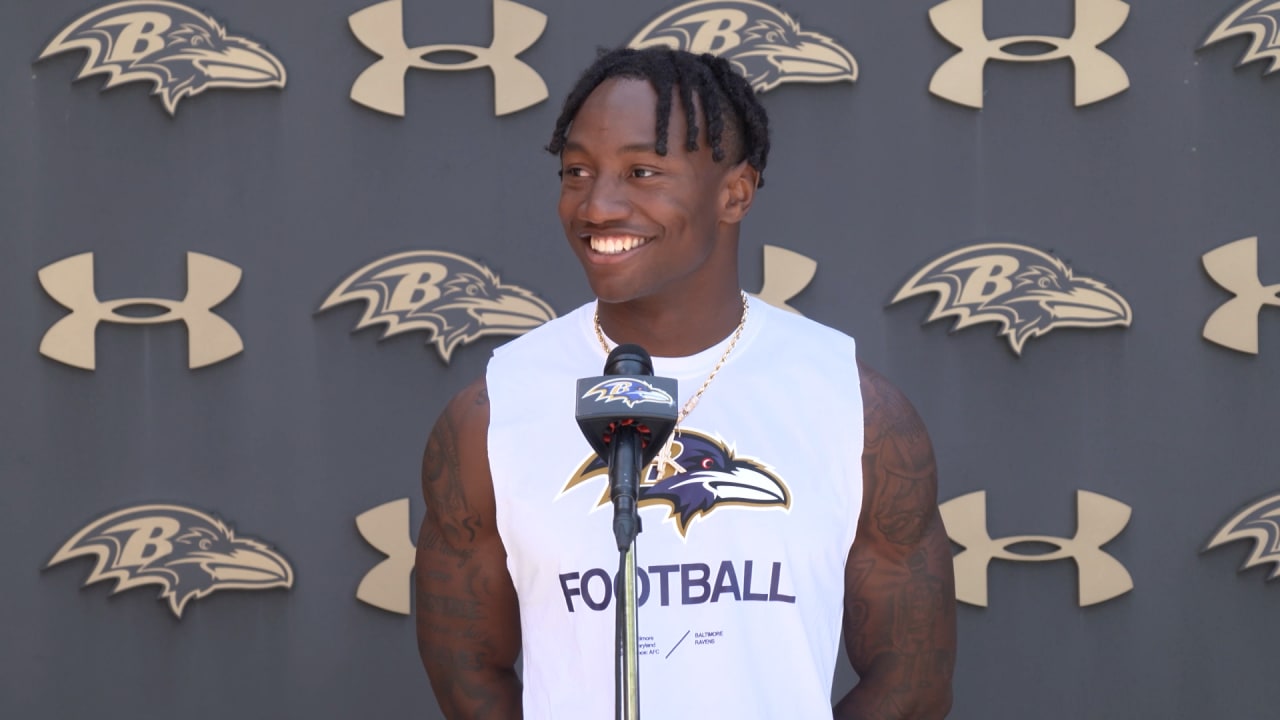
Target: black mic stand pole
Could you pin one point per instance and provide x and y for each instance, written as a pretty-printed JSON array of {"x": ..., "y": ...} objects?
[
  {"x": 624, "y": 483},
  {"x": 626, "y": 416}
]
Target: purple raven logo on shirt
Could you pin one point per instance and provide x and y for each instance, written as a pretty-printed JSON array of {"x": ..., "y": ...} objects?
[
  {"x": 708, "y": 475},
  {"x": 628, "y": 391}
]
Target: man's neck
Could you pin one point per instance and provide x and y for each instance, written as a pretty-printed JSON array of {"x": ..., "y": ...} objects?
[{"x": 667, "y": 329}]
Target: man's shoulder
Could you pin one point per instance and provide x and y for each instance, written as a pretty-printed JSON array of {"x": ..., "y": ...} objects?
[
  {"x": 549, "y": 335},
  {"x": 803, "y": 333},
  {"x": 533, "y": 369}
]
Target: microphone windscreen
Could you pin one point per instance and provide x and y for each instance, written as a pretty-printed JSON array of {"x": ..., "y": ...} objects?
[{"x": 628, "y": 359}]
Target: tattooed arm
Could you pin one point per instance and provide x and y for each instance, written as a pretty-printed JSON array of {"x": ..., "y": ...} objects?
[
  {"x": 899, "y": 606},
  {"x": 467, "y": 616}
]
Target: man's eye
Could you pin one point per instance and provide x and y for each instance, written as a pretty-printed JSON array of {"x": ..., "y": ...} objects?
[
  {"x": 643, "y": 173},
  {"x": 572, "y": 172}
]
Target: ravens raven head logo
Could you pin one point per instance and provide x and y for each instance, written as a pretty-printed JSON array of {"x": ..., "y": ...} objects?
[
  {"x": 188, "y": 553},
  {"x": 763, "y": 43},
  {"x": 453, "y": 298},
  {"x": 1026, "y": 291},
  {"x": 629, "y": 392},
  {"x": 182, "y": 52},
  {"x": 1260, "y": 522},
  {"x": 1259, "y": 19},
  {"x": 709, "y": 475}
]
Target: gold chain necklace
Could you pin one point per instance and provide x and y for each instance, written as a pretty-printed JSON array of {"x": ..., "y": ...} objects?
[{"x": 664, "y": 458}]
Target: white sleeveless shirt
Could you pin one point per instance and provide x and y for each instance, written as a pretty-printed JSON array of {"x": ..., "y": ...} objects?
[{"x": 741, "y": 557}]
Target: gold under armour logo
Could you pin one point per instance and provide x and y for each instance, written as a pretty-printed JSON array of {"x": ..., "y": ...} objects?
[
  {"x": 210, "y": 339},
  {"x": 786, "y": 273},
  {"x": 1099, "y": 519},
  {"x": 386, "y": 528},
  {"x": 1234, "y": 266},
  {"x": 1098, "y": 75},
  {"x": 380, "y": 28}
]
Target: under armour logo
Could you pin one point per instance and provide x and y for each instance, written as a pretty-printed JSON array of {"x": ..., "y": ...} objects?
[
  {"x": 516, "y": 85},
  {"x": 210, "y": 339},
  {"x": 1234, "y": 266},
  {"x": 1099, "y": 519},
  {"x": 786, "y": 273},
  {"x": 1098, "y": 75},
  {"x": 386, "y": 528}
]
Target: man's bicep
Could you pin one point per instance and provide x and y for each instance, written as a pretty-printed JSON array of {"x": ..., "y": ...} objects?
[
  {"x": 456, "y": 484},
  {"x": 899, "y": 472},
  {"x": 899, "y": 590},
  {"x": 466, "y": 606}
]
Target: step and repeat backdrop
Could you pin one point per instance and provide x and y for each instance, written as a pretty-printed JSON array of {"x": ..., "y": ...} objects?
[{"x": 250, "y": 249}]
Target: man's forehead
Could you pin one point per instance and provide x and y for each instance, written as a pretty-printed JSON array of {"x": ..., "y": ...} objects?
[
  {"x": 626, "y": 94},
  {"x": 626, "y": 108}
]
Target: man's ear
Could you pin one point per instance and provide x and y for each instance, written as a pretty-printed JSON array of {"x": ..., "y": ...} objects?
[{"x": 739, "y": 191}]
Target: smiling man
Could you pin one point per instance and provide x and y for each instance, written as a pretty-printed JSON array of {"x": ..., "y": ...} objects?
[{"x": 775, "y": 524}]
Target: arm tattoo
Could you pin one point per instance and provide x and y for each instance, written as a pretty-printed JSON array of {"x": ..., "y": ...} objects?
[
  {"x": 903, "y": 477},
  {"x": 899, "y": 592},
  {"x": 467, "y": 617},
  {"x": 442, "y": 476}
]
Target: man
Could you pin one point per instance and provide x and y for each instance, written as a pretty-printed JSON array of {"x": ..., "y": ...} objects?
[{"x": 777, "y": 518}]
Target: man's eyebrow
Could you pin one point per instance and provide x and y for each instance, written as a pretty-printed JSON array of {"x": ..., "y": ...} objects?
[{"x": 645, "y": 147}]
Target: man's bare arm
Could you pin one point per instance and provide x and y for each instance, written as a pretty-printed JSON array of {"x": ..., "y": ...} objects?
[
  {"x": 468, "y": 618},
  {"x": 899, "y": 608}
]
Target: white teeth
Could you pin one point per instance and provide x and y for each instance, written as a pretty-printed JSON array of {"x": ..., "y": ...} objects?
[{"x": 616, "y": 244}]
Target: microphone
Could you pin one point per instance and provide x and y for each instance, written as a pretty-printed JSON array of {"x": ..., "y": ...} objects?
[{"x": 626, "y": 416}]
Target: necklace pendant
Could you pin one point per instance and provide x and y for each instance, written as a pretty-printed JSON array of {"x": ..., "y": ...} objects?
[{"x": 664, "y": 464}]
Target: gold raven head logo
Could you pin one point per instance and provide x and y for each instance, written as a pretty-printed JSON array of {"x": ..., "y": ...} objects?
[
  {"x": 188, "y": 553},
  {"x": 1259, "y": 19},
  {"x": 181, "y": 51},
  {"x": 452, "y": 298},
  {"x": 1026, "y": 291},
  {"x": 1260, "y": 522},
  {"x": 763, "y": 43}
]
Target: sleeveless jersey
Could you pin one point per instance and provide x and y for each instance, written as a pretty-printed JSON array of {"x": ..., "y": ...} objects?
[{"x": 742, "y": 553}]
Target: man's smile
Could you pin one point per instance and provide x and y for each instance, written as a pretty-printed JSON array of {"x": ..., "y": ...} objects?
[{"x": 614, "y": 244}]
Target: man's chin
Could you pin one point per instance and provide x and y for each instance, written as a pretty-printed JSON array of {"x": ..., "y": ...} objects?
[{"x": 610, "y": 291}]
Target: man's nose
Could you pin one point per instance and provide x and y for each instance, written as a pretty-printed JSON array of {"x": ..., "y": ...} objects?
[{"x": 606, "y": 201}]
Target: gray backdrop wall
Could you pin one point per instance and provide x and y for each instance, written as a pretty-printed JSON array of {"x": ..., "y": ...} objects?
[{"x": 313, "y": 424}]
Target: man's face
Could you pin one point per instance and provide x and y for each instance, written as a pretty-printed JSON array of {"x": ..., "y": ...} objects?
[{"x": 642, "y": 224}]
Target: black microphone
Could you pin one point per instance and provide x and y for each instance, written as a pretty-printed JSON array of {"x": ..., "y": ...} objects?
[{"x": 626, "y": 415}]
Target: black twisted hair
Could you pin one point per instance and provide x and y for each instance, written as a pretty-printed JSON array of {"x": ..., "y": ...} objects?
[{"x": 735, "y": 118}]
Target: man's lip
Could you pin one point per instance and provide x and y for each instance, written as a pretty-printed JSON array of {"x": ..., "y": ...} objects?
[{"x": 587, "y": 234}]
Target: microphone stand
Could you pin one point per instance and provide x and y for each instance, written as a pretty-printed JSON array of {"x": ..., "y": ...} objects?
[
  {"x": 624, "y": 482},
  {"x": 626, "y": 416}
]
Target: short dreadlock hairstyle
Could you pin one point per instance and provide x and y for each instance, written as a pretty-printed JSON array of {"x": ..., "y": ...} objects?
[{"x": 735, "y": 118}]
